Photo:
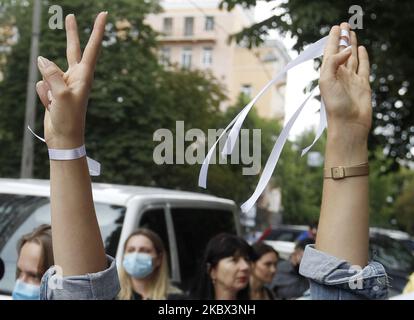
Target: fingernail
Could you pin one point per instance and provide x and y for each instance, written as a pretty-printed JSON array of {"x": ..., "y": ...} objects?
[
  {"x": 43, "y": 62},
  {"x": 49, "y": 95}
]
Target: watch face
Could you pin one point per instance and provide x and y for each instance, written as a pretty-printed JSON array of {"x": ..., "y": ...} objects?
[{"x": 338, "y": 172}]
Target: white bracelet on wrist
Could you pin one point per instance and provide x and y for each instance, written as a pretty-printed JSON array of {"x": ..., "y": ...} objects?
[
  {"x": 72, "y": 154},
  {"x": 67, "y": 154}
]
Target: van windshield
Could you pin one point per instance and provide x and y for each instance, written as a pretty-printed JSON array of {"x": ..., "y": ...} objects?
[{"x": 20, "y": 214}]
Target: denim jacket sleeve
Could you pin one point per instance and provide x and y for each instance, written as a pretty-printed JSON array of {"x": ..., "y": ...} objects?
[
  {"x": 335, "y": 279},
  {"x": 103, "y": 285}
]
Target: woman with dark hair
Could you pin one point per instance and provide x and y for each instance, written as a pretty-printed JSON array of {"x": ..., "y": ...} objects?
[
  {"x": 225, "y": 269},
  {"x": 263, "y": 271}
]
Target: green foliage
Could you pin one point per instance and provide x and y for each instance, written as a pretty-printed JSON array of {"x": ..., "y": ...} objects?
[
  {"x": 301, "y": 185},
  {"x": 404, "y": 212},
  {"x": 384, "y": 188},
  {"x": 12, "y": 101}
]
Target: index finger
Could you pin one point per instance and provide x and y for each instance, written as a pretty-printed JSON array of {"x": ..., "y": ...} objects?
[
  {"x": 332, "y": 45},
  {"x": 91, "y": 52},
  {"x": 73, "y": 51}
]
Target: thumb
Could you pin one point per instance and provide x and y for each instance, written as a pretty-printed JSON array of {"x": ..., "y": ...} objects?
[
  {"x": 42, "y": 89},
  {"x": 52, "y": 74}
]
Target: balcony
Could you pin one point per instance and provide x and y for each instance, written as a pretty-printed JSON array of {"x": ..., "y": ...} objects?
[
  {"x": 204, "y": 37},
  {"x": 197, "y": 37}
]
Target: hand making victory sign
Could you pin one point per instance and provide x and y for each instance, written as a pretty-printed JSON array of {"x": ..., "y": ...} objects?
[
  {"x": 77, "y": 242},
  {"x": 65, "y": 95}
]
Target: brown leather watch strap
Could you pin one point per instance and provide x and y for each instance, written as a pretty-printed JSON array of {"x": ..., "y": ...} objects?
[{"x": 337, "y": 173}]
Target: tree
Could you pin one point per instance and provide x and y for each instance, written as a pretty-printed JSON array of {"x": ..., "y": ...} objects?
[
  {"x": 53, "y": 45},
  {"x": 12, "y": 100},
  {"x": 387, "y": 35},
  {"x": 300, "y": 184}
]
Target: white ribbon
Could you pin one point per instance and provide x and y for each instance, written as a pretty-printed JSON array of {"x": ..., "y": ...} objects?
[
  {"x": 344, "y": 43},
  {"x": 274, "y": 157},
  {"x": 323, "y": 123},
  {"x": 345, "y": 33},
  {"x": 58, "y": 154},
  {"x": 313, "y": 51}
]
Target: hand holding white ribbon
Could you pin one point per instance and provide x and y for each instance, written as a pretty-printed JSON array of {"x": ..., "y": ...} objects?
[{"x": 313, "y": 51}]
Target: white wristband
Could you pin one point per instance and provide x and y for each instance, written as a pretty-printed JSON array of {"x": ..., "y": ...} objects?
[
  {"x": 67, "y": 154},
  {"x": 72, "y": 154}
]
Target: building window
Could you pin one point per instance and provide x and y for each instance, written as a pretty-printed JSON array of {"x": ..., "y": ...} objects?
[
  {"x": 209, "y": 24},
  {"x": 207, "y": 56},
  {"x": 246, "y": 90},
  {"x": 165, "y": 56},
  {"x": 189, "y": 26},
  {"x": 186, "y": 57},
  {"x": 167, "y": 26}
]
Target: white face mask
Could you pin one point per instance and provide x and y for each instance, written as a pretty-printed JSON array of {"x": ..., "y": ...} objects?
[{"x": 138, "y": 265}]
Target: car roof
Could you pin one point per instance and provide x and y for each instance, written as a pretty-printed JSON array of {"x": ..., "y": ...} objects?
[
  {"x": 105, "y": 192},
  {"x": 287, "y": 227},
  {"x": 395, "y": 234}
]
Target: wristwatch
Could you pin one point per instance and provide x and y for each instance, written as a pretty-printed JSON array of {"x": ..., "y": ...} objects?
[{"x": 340, "y": 172}]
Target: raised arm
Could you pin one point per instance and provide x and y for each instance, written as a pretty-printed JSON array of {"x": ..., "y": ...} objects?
[
  {"x": 77, "y": 243},
  {"x": 345, "y": 89}
]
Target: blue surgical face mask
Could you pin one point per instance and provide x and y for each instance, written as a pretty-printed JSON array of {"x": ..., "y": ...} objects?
[
  {"x": 138, "y": 265},
  {"x": 25, "y": 291}
]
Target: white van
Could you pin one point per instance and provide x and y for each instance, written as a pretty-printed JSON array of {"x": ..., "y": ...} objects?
[{"x": 184, "y": 220}]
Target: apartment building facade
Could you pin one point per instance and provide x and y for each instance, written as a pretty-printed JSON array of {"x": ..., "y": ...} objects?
[{"x": 195, "y": 34}]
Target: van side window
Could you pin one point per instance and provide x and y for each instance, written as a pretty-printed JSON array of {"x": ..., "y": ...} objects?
[
  {"x": 19, "y": 214},
  {"x": 193, "y": 228},
  {"x": 154, "y": 219},
  {"x": 111, "y": 220}
]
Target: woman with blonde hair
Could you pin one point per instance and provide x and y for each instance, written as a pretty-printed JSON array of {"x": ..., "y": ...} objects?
[{"x": 144, "y": 270}]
